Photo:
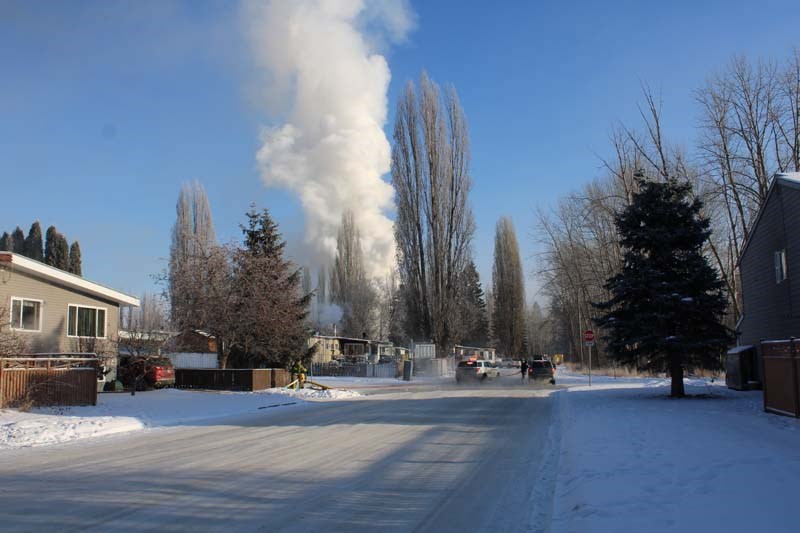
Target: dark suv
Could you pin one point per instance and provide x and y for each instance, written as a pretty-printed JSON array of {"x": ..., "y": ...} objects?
[{"x": 542, "y": 369}]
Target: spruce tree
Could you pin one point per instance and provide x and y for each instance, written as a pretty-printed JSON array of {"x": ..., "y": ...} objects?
[
  {"x": 75, "y": 266},
  {"x": 18, "y": 241},
  {"x": 262, "y": 269},
  {"x": 261, "y": 236},
  {"x": 473, "y": 309},
  {"x": 667, "y": 303},
  {"x": 6, "y": 243},
  {"x": 33, "y": 242}
]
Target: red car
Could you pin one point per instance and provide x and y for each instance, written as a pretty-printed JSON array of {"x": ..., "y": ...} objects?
[{"x": 142, "y": 372}]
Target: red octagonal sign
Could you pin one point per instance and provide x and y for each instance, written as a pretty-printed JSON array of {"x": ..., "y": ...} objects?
[{"x": 588, "y": 335}]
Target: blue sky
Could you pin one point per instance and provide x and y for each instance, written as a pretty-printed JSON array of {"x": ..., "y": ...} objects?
[{"x": 107, "y": 107}]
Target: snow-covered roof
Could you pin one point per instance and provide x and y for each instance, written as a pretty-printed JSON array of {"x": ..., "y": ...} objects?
[
  {"x": 789, "y": 177},
  {"x": 71, "y": 281},
  {"x": 338, "y": 338},
  {"x": 740, "y": 349}
]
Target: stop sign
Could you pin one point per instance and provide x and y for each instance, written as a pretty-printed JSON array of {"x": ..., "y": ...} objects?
[{"x": 588, "y": 335}]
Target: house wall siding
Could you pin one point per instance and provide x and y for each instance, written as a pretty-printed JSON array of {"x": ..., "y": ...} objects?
[
  {"x": 772, "y": 310},
  {"x": 53, "y": 336}
]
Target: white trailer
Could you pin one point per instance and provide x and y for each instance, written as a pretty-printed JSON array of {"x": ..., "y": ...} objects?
[{"x": 424, "y": 351}]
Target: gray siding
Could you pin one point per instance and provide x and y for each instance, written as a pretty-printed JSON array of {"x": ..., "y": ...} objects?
[
  {"x": 772, "y": 310},
  {"x": 53, "y": 337}
]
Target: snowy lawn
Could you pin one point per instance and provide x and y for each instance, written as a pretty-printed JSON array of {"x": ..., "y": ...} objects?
[
  {"x": 119, "y": 413},
  {"x": 632, "y": 459}
]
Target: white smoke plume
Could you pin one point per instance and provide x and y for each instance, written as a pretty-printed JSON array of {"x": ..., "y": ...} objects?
[{"x": 327, "y": 74}]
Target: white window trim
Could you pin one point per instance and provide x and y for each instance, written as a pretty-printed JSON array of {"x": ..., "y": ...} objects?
[
  {"x": 11, "y": 312},
  {"x": 780, "y": 255},
  {"x": 105, "y": 327}
]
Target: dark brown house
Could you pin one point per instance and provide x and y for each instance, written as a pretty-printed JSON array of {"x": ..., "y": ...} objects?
[{"x": 769, "y": 266}]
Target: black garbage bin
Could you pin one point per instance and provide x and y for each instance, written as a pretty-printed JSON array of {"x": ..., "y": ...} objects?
[{"x": 408, "y": 369}]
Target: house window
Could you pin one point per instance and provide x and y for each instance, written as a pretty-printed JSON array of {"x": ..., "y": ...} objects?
[
  {"x": 780, "y": 266},
  {"x": 83, "y": 321},
  {"x": 26, "y": 315}
]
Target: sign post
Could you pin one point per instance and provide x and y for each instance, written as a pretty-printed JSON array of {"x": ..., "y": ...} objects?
[{"x": 588, "y": 341}]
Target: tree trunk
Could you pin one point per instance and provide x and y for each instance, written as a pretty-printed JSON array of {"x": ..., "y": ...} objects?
[
  {"x": 222, "y": 355},
  {"x": 676, "y": 371}
]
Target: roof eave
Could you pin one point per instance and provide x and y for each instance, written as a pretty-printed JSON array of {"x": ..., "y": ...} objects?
[{"x": 65, "y": 278}]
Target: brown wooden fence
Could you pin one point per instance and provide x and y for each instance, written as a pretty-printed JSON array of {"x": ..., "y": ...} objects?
[
  {"x": 782, "y": 376},
  {"x": 60, "y": 379},
  {"x": 250, "y": 379}
]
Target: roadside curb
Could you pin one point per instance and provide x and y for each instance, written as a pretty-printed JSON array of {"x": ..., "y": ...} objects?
[{"x": 543, "y": 495}]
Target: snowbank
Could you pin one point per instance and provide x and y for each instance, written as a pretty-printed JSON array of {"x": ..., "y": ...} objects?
[
  {"x": 119, "y": 413},
  {"x": 632, "y": 459},
  {"x": 316, "y": 394}
]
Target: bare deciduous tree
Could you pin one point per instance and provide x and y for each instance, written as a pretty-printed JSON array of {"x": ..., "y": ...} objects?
[
  {"x": 10, "y": 342},
  {"x": 350, "y": 287},
  {"x": 192, "y": 236},
  {"x": 434, "y": 226},
  {"x": 508, "y": 290}
]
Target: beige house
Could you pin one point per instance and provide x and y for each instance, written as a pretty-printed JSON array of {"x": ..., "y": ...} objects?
[
  {"x": 55, "y": 311},
  {"x": 462, "y": 353},
  {"x": 329, "y": 347}
]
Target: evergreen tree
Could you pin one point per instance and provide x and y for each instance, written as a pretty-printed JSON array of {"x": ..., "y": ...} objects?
[
  {"x": 18, "y": 241},
  {"x": 667, "y": 303},
  {"x": 33, "y": 242},
  {"x": 75, "y": 266},
  {"x": 50, "y": 245},
  {"x": 6, "y": 243},
  {"x": 473, "y": 309},
  {"x": 56, "y": 249},
  {"x": 274, "y": 322},
  {"x": 61, "y": 252},
  {"x": 261, "y": 236}
]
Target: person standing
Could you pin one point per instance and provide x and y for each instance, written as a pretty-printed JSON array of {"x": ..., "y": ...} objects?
[{"x": 523, "y": 368}]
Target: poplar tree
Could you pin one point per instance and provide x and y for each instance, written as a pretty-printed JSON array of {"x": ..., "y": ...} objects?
[
  {"x": 50, "y": 245},
  {"x": 75, "y": 266},
  {"x": 33, "y": 242},
  {"x": 62, "y": 252},
  {"x": 193, "y": 237},
  {"x": 435, "y": 225},
  {"x": 508, "y": 291},
  {"x": 350, "y": 287},
  {"x": 18, "y": 241}
]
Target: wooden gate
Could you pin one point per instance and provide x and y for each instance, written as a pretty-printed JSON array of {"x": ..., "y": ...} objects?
[
  {"x": 781, "y": 376},
  {"x": 60, "y": 379}
]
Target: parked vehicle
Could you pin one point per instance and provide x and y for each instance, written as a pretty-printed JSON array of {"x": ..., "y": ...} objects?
[
  {"x": 142, "y": 372},
  {"x": 542, "y": 369},
  {"x": 476, "y": 370}
]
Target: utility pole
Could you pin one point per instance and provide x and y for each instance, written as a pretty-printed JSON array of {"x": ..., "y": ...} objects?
[{"x": 588, "y": 341}]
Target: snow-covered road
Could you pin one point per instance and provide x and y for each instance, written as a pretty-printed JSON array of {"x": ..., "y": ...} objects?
[{"x": 455, "y": 459}]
